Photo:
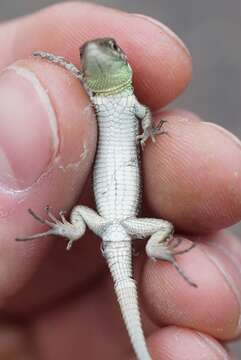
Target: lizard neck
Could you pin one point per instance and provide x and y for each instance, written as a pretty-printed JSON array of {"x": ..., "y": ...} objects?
[{"x": 112, "y": 89}]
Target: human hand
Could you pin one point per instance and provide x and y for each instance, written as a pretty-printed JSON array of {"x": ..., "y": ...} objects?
[{"x": 191, "y": 178}]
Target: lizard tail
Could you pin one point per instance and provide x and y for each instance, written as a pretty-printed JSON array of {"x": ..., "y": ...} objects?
[{"x": 118, "y": 255}]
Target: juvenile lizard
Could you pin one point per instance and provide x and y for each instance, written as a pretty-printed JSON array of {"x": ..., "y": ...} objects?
[{"x": 107, "y": 77}]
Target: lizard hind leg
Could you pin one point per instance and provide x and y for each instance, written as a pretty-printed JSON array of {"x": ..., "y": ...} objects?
[
  {"x": 71, "y": 231},
  {"x": 157, "y": 248},
  {"x": 162, "y": 244}
]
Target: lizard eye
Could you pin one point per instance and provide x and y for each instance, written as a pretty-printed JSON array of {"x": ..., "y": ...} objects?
[{"x": 113, "y": 45}]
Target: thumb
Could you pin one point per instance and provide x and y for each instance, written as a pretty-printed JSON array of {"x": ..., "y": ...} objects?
[{"x": 47, "y": 141}]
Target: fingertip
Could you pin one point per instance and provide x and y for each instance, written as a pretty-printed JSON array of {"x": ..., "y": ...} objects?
[
  {"x": 179, "y": 343},
  {"x": 52, "y": 118},
  {"x": 213, "y": 307},
  {"x": 47, "y": 144},
  {"x": 165, "y": 69},
  {"x": 194, "y": 174},
  {"x": 162, "y": 66}
]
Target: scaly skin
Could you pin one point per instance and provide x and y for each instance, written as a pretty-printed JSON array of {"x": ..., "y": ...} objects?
[{"x": 107, "y": 78}]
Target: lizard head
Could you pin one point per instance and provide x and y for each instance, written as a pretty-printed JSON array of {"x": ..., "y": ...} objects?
[{"x": 105, "y": 66}]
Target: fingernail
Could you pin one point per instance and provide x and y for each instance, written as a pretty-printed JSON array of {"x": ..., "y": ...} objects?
[
  {"x": 28, "y": 129},
  {"x": 227, "y": 267},
  {"x": 216, "y": 348},
  {"x": 166, "y": 29},
  {"x": 225, "y": 132}
]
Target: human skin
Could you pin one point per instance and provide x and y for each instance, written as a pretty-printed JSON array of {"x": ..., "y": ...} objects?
[{"x": 64, "y": 301}]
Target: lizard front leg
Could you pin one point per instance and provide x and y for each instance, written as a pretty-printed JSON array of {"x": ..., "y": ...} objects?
[
  {"x": 61, "y": 61},
  {"x": 161, "y": 244},
  {"x": 73, "y": 229},
  {"x": 149, "y": 131}
]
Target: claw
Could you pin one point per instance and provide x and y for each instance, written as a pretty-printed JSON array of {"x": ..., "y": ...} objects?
[
  {"x": 50, "y": 214},
  {"x": 36, "y": 236},
  {"x": 38, "y": 218},
  {"x": 42, "y": 221},
  {"x": 65, "y": 229},
  {"x": 175, "y": 239},
  {"x": 185, "y": 250},
  {"x": 181, "y": 272},
  {"x": 173, "y": 261},
  {"x": 175, "y": 264},
  {"x": 161, "y": 123},
  {"x": 157, "y": 130},
  {"x": 165, "y": 250},
  {"x": 69, "y": 244},
  {"x": 62, "y": 217},
  {"x": 143, "y": 143},
  {"x": 35, "y": 216},
  {"x": 151, "y": 132},
  {"x": 178, "y": 241}
]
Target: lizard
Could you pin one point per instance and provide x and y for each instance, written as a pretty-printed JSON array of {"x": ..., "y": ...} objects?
[{"x": 107, "y": 78}]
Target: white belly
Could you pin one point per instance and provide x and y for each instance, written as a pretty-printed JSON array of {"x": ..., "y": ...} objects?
[{"x": 116, "y": 171}]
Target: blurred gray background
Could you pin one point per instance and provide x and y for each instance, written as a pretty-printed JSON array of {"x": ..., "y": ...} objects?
[{"x": 212, "y": 31}]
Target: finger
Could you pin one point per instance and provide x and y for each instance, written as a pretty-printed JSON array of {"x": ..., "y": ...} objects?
[
  {"x": 67, "y": 325},
  {"x": 173, "y": 343},
  {"x": 213, "y": 307},
  {"x": 162, "y": 66},
  {"x": 47, "y": 143},
  {"x": 97, "y": 310},
  {"x": 15, "y": 342},
  {"x": 72, "y": 326},
  {"x": 192, "y": 175}
]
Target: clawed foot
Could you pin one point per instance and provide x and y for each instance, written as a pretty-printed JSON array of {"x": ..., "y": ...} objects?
[
  {"x": 174, "y": 242},
  {"x": 61, "y": 61},
  {"x": 62, "y": 228},
  {"x": 158, "y": 130},
  {"x": 166, "y": 250},
  {"x": 151, "y": 132}
]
